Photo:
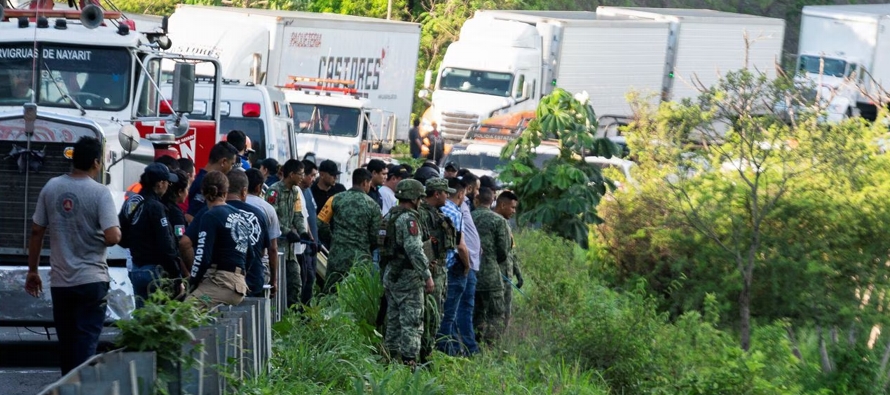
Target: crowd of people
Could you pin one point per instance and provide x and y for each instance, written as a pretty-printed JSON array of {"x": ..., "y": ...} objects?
[{"x": 214, "y": 236}]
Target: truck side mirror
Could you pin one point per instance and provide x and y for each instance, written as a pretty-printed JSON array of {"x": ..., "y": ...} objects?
[
  {"x": 427, "y": 78},
  {"x": 526, "y": 88},
  {"x": 183, "y": 88},
  {"x": 423, "y": 93}
]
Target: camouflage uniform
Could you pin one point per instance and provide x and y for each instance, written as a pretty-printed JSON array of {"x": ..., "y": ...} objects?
[
  {"x": 443, "y": 236},
  {"x": 509, "y": 269},
  {"x": 288, "y": 204},
  {"x": 404, "y": 275},
  {"x": 356, "y": 221},
  {"x": 495, "y": 241}
]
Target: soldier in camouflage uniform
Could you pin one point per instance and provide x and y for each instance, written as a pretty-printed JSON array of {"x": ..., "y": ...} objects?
[
  {"x": 287, "y": 199},
  {"x": 356, "y": 221},
  {"x": 494, "y": 238},
  {"x": 406, "y": 273},
  {"x": 506, "y": 207},
  {"x": 442, "y": 233}
]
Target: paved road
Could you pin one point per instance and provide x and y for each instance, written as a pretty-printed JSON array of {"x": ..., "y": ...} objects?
[{"x": 24, "y": 381}]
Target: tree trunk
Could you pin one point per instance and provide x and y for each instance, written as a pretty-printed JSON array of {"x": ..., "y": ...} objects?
[
  {"x": 823, "y": 351},
  {"x": 794, "y": 348},
  {"x": 745, "y": 314}
]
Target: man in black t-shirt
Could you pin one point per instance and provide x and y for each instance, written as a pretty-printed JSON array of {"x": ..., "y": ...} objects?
[
  {"x": 326, "y": 185},
  {"x": 259, "y": 232},
  {"x": 415, "y": 140}
]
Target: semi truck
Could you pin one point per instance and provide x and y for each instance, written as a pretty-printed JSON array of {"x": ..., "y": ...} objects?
[
  {"x": 349, "y": 79},
  {"x": 66, "y": 73},
  {"x": 506, "y": 61},
  {"x": 844, "y": 51}
]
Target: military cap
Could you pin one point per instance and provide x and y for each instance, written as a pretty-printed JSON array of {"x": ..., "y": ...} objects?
[
  {"x": 409, "y": 189},
  {"x": 438, "y": 184}
]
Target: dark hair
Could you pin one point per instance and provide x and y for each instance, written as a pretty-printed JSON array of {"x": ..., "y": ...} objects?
[
  {"x": 222, "y": 150},
  {"x": 238, "y": 139},
  {"x": 469, "y": 178},
  {"x": 169, "y": 161},
  {"x": 254, "y": 179},
  {"x": 237, "y": 181},
  {"x": 506, "y": 196},
  {"x": 176, "y": 187},
  {"x": 291, "y": 166},
  {"x": 485, "y": 196},
  {"x": 416, "y": 122},
  {"x": 457, "y": 184},
  {"x": 86, "y": 151},
  {"x": 147, "y": 184},
  {"x": 408, "y": 168},
  {"x": 376, "y": 165},
  {"x": 309, "y": 165},
  {"x": 488, "y": 182},
  {"x": 187, "y": 165},
  {"x": 270, "y": 164},
  {"x": 215, "y": 186},
  {"x": 360, "y": 176}
]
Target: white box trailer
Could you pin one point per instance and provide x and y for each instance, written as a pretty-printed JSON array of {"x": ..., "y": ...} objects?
[
  {"x": 269, "y": 46},
  {"x": 705, "y": 44},
  {"x": 850, "y": 46},
  {"x": 506, "y": 61}
]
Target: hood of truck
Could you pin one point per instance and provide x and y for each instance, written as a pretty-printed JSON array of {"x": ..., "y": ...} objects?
[
  {"x": 341, "y": 150},
  {"x": 469, "y": 103}
]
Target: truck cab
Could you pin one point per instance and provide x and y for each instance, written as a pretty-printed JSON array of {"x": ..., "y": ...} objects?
[
  {"x": 494, "y": 68},
  {"x": 66, "y": 73},
  {"x": 835, "y": 79},
  {"x": 333, "y": 123}
]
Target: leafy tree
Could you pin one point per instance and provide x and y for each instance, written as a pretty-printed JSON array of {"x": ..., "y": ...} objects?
[
  {"x": 563, "y": 194},
  {"x": 789, "y": 203}
]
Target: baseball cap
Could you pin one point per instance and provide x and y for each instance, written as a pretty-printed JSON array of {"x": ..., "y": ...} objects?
[
  {"x": 409, "y": 189},
  {"x": 329, "y": 166},
  {"x": 438, "y": 184},
  {"x": 159, "y": 172},
  {"x": 452, "y": 166}
]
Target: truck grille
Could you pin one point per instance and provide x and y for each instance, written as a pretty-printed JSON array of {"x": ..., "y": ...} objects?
[
  {"x": 17, "y": 204},
  {"x": 455, "y": 125}
]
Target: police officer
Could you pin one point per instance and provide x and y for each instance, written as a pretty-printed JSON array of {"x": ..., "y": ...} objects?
[
  {"x": 147, "y": 232},
  {"x": 406, "y": 275},
  {"x": 287, "y": 199}
]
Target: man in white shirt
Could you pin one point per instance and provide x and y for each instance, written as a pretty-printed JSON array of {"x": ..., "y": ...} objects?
[
  {"x": 255, "y": 188},
  {"x": 464, "y": 320},
  {"x": 387, "y": 191}
]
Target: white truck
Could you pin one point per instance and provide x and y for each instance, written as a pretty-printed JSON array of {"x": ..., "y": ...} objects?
[
  {"x": 347, "y": 77},
  {"x": 506, "y": 61},
  {"x": 844, "y": 50}
]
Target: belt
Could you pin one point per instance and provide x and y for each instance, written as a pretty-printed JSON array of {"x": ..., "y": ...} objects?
[{"x": 237, "y": 270}]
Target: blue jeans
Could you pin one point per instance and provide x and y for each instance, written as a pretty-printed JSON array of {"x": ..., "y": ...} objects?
[
  {"x": 79, "y": 314},
  {"x": 145, "y": 282},
  {"x": 465, "y": 316},
  {"x": 448, "y": 335}
]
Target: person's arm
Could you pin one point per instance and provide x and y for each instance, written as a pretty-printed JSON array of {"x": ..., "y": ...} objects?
[
  {"x": 273, "y": 265},
  {"x": 299, "y": 225},
  {"x": 160, "y": 226},
  {"x": 464, "y": 254},
  {"x": 33, "y": 283},
  {"x": 204, "y": 251},
  {"x": 408, "y": 235},
  {"x": 108, "y": 219},
  {"x": 502, "y": 241},
  {"x": 187, "y": 252}
]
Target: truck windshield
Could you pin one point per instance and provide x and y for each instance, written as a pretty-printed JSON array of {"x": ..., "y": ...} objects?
[
  {"x": 832, "y": 67},
  {"x": 327, "y": 120},
  {"x": 98, "y": 78},
  {"x": 473, "y": 81}
]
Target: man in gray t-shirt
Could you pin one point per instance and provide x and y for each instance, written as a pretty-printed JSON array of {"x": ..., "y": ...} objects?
[{"x": 82, "y": 221}]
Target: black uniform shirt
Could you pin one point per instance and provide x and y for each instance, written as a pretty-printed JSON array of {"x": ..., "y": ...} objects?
[{"x": 221, "y": 238}]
